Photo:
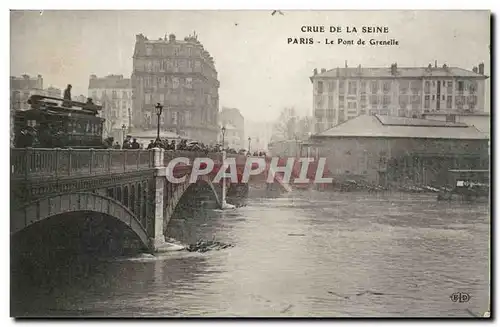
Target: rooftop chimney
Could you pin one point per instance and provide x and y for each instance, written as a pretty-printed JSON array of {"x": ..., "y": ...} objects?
[
  {"x": 315, "y": 71},
  {"x": 26, "y": 76},
  {"x": 429, "y": 67},
  {"x": 346, "y": 64},
  {"x": 435, "y": 64},
  {"x": 394, "y": 68},
  {"x": 171, "y": 37},
  {"x": 323, "y": 70},
  {"x": 474, "y": 69},
  {"x": 93, "y": 76},
  {"x": 445, "y": 66},
  {"x": 481, "y": 68}
]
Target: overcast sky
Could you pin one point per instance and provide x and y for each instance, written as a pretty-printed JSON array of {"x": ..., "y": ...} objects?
[{"x": 259, "y": 72}]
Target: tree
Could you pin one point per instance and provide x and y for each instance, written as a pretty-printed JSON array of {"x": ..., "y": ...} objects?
[{"x": 289, "y": 126}]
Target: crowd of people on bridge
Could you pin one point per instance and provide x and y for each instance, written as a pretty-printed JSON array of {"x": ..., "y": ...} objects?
[{"x": 172, "y": 145}]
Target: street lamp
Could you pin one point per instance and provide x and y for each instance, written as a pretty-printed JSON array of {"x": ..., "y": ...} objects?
[
  {"x": 249, "y": 140},
  {"x": 223, "y": 129},
  {"x": 123, "y": 132},
  {"x": 159, "y": 109}
]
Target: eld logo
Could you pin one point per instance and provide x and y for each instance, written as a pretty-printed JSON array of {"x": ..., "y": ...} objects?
[{"x": 460, "y": 297}]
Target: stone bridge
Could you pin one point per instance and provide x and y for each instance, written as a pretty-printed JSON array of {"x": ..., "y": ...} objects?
[{"x": 130, "y": 186}]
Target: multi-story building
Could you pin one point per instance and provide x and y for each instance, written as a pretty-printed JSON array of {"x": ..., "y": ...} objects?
[
  {"x": 181, "y": 75},
  {"x": 382, "y": 149},
  {"x": 233, "y": 117},
  {"x": 343, "y": 93},
  {"x": 114, "y": 93},
  {"x": 21, "y": 88}
]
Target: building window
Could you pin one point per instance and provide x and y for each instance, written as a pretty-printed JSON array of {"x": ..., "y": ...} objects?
[
  {"x": 331, "y": 86},
  {"x": 175, "y": 82},
  {"x": 330, "y": 101},
  {"x": 403, "y": 86},
  {"x": 341, "y": 102},
  {"x": 319, "y": 102},
  {"x": 341, "y": 87},
  {"x": 427, "y": 87},
  {"x": 460, "y": 86},
  {"x": 174, "y": 118},
  {"x": 363, "y": 87},
  {"x": 472, "y": 87},
  {"x": 427, "y": 103},
  {"x": 433, "y": 97},
  {"x": 373, "y": 100},
  {"x": 472, "y": 100},
  {"x": 362, "y": 101},
  {"x": 403, "y": 101},
  {"x": 147, "y": 98},
  {"x": 320, "y": 87},
  {"x": 449, "y": 87},
  {"x": 416, "y": 87},
  {"x": 353, "y": 88},
  {"x": 449, "y": 100},
  {"x": 374, "y": 86},
  {"x": 189, "y": 82},
  {"x": 351, "y": 105},
  {"x": 319, "y": 114},
  {"x": 176, "y": 51},
  {"x": 387, "y": 86},
  {"x": 330, "y": 114},
  {"x": 459, "y": 101},
  {"x": 386, "y": 100}
]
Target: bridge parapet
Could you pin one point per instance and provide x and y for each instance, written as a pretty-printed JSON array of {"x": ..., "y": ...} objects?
[{"x": 31, "y": 163}]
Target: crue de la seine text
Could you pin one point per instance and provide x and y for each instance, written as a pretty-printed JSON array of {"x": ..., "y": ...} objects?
[{"x": 345, "y": 36}]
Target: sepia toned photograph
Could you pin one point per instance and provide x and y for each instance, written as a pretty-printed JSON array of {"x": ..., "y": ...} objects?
[{"x": 250, "y": 163}]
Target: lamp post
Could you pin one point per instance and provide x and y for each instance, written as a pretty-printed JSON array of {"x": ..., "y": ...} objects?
[
  {"x": 123, "y": 132},
  {"x": 249, "y": 141},
  {"x": 223, "y": 129},
  {"x": 159, "y": 109},
  {"x": 224, "y": 204}
]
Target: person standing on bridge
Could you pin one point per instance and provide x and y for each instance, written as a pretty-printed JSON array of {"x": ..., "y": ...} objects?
[{"x": 67, "y": 96}]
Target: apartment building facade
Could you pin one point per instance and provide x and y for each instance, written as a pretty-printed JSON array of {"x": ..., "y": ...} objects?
[
  {"x": 114, "y": 93},
  {"x": 180, "y": 75},
  {"x": 343, "y": 93},
  {"x": 21, "y": 88}
]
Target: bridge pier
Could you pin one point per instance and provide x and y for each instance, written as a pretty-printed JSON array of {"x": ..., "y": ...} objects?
[{"x": 157, "y": 237}]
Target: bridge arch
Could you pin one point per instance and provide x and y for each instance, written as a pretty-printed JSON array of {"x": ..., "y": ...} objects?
[
  {"x": 174, "y": 192},
  {"x": 44, "y": 208}
]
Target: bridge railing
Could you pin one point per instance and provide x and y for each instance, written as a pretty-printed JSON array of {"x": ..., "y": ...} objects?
[
  {"x": 191, "y": 155},
  {"x": 30, "y": 162}
]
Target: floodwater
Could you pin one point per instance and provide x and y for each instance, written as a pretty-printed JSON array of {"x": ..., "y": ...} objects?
[{"x": 303, "y": 254}]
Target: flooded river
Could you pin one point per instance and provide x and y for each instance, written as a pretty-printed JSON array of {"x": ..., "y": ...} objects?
[{"x": 303, "y": 254}]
